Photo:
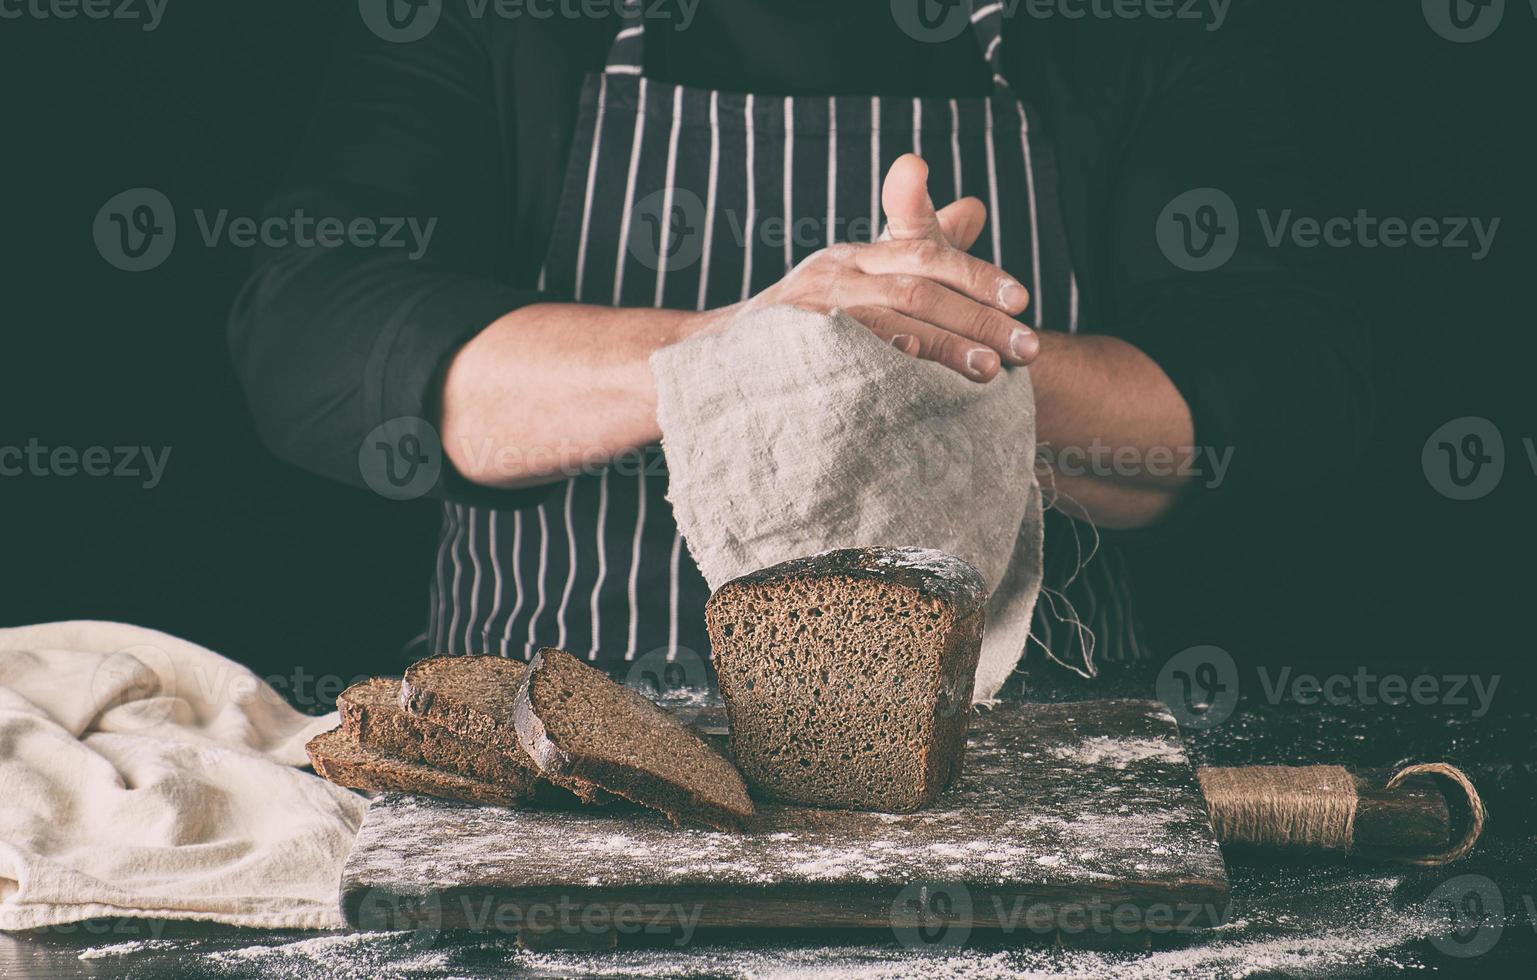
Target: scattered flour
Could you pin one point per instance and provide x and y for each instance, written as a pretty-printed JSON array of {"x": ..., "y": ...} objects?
[
  {"x": 123, "y": 949},
  {"x": 1118, "y": 753}
]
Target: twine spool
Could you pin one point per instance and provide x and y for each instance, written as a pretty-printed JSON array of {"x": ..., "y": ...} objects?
[{"x": 1314, "y": 807}]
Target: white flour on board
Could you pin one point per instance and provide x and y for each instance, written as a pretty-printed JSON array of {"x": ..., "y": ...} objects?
[{"x": 1119, "y": 753}]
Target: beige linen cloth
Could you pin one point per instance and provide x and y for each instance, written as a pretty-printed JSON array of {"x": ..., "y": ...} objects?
[
  {"x": 142, "y": 775},
  {"x": 790, "y": 432}
]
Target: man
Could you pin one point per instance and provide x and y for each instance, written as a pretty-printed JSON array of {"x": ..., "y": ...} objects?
[{"x": 522, "y": 336}]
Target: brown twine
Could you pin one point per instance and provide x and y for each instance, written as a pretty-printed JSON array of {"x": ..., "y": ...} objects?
[
  {"x": 1314, "y": 807},
  {"x": 1282, "y": 806}
]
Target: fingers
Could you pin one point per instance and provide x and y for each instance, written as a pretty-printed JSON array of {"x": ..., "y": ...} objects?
[
  {"x": 961, "y": 222},
  {"x": 959, "y": 292},
  {"x": 917, "y": 338},
  {"x": 967, "y": 274},
  {"x": 905, "y": 199}
]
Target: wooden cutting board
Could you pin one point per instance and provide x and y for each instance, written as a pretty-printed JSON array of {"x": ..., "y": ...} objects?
[{"x": 1066, "y": 814}]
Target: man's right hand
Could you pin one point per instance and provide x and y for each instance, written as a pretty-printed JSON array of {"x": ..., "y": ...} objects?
[{"x": 917, "y": 287}]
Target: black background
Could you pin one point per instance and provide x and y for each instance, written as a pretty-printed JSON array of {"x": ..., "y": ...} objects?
[{"x": 280, "y": 569}]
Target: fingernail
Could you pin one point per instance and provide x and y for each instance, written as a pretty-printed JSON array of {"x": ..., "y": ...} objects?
[
  {"x": 904, "y": 342},
  {"x": 1012, "y": 295},
  {"x": 980, "y": 361},
  {"x": 1024, "y": 344}
]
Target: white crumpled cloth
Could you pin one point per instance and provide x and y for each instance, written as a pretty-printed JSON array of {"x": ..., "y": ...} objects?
[
  {"x": 144, "y": 776},
  {"x": 790, "y": 432}
]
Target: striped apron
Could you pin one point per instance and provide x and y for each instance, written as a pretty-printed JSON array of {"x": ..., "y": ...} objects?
[{"x": 683, "y": 198}]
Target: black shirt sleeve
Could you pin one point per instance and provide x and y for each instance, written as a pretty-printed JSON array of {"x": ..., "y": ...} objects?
[
  {"x": 1266, "y": 350},
  {"x": 330, "y": 342}
]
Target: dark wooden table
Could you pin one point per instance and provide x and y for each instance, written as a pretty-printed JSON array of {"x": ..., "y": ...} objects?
[{"x": 1288, "y": 915}]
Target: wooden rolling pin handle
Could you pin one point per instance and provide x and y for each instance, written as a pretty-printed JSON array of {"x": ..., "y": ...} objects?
[{"x": 1401, "y": 817}]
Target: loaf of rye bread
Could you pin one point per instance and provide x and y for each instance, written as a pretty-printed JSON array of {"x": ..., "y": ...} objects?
[
  {"x": 372, "y": 715},
  {"x": 581, "y": 727},
  {"x": 337, "y": 756},
  {"x": 848, "y": 675},
  {"x": 473, "y": 697}
]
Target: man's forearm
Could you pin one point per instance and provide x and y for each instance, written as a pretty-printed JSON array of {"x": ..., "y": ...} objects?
[
  {"x": 552, "y": 388},
  {"x": 1114, "y": 433}
]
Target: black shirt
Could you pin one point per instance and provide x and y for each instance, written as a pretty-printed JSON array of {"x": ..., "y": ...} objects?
[{"x": 471, "y": 126}]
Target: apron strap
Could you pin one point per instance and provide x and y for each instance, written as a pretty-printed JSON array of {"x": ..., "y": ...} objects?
[
  {"x": 627, "y": 53},
  {"x": 987, "y": 26}
]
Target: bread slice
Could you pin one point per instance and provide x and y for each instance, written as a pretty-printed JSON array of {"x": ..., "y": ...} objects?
[
  {"x": 372, "y": 716},
  {"x": 473, "y": 698},
  {"x": 338, "y": 757},
  {"x": 580, "y": 725},
  {"x": 848, "y": 675}
]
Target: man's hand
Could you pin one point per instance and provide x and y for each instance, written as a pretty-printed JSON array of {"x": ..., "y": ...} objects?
[{"x": 917, "y": 288}]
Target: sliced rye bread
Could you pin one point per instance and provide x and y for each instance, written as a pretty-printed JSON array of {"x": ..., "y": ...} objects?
[
  {"x": 372, "y": 715},
  {"x": 579, "y": 725},
  {"x": 848, "y": 675},
  {"x": 473, "y": 698},
  {"x": 336, "y": 756}
]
